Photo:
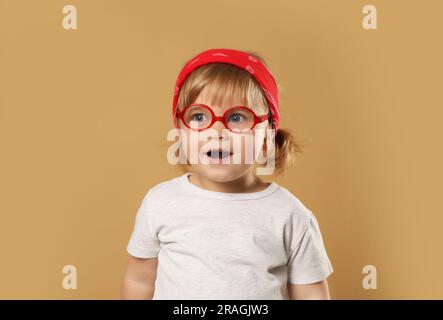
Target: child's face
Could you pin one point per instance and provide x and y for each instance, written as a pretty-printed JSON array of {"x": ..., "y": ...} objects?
[{"x": 239, "y": 146}]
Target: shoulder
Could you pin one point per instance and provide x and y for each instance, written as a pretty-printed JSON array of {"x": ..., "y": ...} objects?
[
  {"x": 158, "y": 198},
  {"x": 163, "y": 190},
  {"x": 298, "y": 212}
]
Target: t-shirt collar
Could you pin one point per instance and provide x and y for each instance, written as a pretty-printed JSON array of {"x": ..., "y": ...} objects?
[{"x": 198, "y": 191}]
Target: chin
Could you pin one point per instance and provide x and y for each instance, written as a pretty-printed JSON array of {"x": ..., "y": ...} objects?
[{"x": 222, "y": 173}]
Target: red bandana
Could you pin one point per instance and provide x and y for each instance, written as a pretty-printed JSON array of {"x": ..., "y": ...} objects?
[{"x": 241, "y": 59}]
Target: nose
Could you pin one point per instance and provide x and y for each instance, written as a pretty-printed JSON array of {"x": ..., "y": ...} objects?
[{"x": 219, "y": 128}]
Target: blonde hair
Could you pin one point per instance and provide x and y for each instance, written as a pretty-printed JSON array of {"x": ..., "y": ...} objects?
[{"x": 230, "y": 79}]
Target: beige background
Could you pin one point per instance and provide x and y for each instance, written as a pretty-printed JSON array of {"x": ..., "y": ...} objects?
[{"x": 84, "y": 115}]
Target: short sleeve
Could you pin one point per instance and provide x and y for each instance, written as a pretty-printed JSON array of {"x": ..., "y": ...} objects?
[
  {"x": 144, "y": 242},
  {"x": 308, "y": 261}
]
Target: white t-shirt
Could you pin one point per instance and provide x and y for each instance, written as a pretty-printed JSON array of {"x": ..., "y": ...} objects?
[{"x": 218, "y": 245}]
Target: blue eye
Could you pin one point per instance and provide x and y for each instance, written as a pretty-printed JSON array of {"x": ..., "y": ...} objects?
[
  {"x": 236, "y": 117},
  {"x": 198, "y": 117}
]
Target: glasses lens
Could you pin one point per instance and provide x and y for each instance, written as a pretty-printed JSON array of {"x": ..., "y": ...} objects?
[
  {"x": 197, "y": 117},
  {"x": 240, "y": 119}
]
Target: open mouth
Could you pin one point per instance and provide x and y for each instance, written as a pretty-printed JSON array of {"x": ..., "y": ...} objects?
[{"x": 218, "y": 154}]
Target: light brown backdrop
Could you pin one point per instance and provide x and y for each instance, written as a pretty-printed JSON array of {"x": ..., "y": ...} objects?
[{"x": 84, "y": 115}]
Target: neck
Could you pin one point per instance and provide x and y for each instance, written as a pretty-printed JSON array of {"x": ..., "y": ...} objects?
[{"x": 246, "y": 183}]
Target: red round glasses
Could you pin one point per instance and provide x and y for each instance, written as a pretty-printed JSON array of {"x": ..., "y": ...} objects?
[{"x": 199, "y": 117}]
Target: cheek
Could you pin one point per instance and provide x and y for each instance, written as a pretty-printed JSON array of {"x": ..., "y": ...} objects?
[
  {"x": 184, "y": 137},
  {"x": 260, "y": 137},
  {"x": 192, "y": 143},
  {"x": 243, "y": 148}
]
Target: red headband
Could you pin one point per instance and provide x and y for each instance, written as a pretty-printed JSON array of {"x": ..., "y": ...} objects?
[{"x": 240, "y": 59}]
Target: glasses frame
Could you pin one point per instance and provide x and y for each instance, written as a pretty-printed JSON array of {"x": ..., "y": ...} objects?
[{"x": 257, "y": 118}]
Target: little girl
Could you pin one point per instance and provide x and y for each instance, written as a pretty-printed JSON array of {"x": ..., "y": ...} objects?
[{"x": 219, "y": 231}]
